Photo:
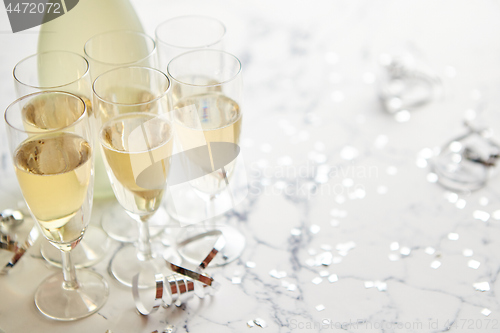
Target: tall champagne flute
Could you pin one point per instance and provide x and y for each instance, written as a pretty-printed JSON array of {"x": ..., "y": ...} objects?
[
  {"x": 207, "y": 96},
  {"x": 136, "y": 139},
  {"x": 106, "y": 51},
  {"x": 68, "y": 72},
  {"x": 53, "y": 161}
]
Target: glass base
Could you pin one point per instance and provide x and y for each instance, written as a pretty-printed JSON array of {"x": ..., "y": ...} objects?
[
  {"x": 91, "y": 249},
  {"x": 125, "y": 265},
  {"x": 195, "y": 251},
  {"x": 56, "y": 302},
  {"x": 121, "y": 227}
]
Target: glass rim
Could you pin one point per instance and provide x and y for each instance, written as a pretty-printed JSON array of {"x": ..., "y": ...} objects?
[
  {"x": 150, "y": 69},
  {"x": 238, "y": 72},
  {"x": 217, "y": 40},
  {"x": 87, "y": 69},
  {"x": 132, "y": 32},
  {"x": 54, "y": 130},
  {"x": 133, "y": 115}
]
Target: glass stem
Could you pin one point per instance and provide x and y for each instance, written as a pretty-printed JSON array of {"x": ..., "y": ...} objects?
[
  {"x": 144, "y": 251},
  {"x": 69, "y": 273}
]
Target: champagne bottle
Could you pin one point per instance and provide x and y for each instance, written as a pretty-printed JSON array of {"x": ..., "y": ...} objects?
[{"x": 70, "y": 31}]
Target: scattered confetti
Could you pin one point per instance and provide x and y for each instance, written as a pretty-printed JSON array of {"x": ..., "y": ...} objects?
[
  {"x": 236, "y": 280},
  {"x": 336, "y": 260},
  {"x": 486, "y": 312},
  {"x": 260, "y": 322},
  {"x": 435, "y": 264},
  {"x": 250, "y": 264},
  {"x": 312, "y": 252},
  {"x": 324, "y": 259},
  {"x": 470, "y": 114},
  {"x": 461, "y": 204},
  {"x": 474, "y": 264},
  {"x": 483, "y": 201},
  {"x": 345, "y": 247},
  {"x": 349, "y": 153},
  {"x": 455, "y": 146},
  {"x": 391, "y": 170},
  {"x": 317, "y": 280},
  {"x": 453, "y": 236},
  {"x": 426, "y": 153},
  {"x": 168, "y": 329},
  {"x": 381, "y": 286},
  {"x": 402, "y": 116},
  {"x": 481, "y": 286},
  {"x": 405, "y": 251},
  {"x": 452, "y": 197},
  {"x": 295, "y": 232},
  {"x": 382, "y": 189},
  {"x": 333, "y": 278},
  {"x": 340, "y": 199},
  {"x": 359, "y": 193},
  {"x": 393, "y": 257},
  {"x": 314, "y": 229},
  {"x": 394, "y": 246},
  {"x": 432, "y": 177},
  {"x": 326, "y": 247},
  {"x": 277, "y": 274},
  {"x": 421, "y": 163},
  {"x": 496, "y": 214},
  {"x": 291, "y": 287},
  {"x": 320, "y": 307},
  {"x": 429, "y": 250},
  {"x": 250, "y": 323},
  {"x": 369, "y": 284},
  {"x": 481, "y": 215},
  {"x": 468, "y": 253},
  {"x": 324, "y": 273}
]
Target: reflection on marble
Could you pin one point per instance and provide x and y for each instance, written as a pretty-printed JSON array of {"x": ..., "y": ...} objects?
[{"x": 347, "y": 228}]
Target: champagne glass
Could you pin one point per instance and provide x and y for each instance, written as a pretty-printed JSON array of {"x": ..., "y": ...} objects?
[
  {"x": 69, "y": 72},
  {"x": 136, "y": 140},
  {"x": 53, "y": 162},
  {"x": 187, "y": 33},
  {"x": 106, "y": 51},
  {"x": 207, "y": 96}
]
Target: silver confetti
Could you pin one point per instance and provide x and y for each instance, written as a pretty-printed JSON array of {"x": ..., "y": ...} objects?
[
  {"x": 426, "y": 153},
  {"x": 402, "y": 116},
  {"x": 250, "y": 264},
  {"x": 452, "y": 197},
  {"x": 295, "y": 232},
  {"x": 432, "y": 177},
  {"x": 349, "y": 153},
  {"x": 250, "y": 323},
  {"x": 421, "y": 163},
  {"x": 311, "y": 251},
  {"x": 317, "y": 280},
  {"x": 336, "y": 260},
  {"x": 260, "y": 322},
  {"x": 453, "y": 236},
  {"x": 429, "y": 250},
  {"x": 340, "y": 199},
  {"x": 369, "y": 284},
  {"x": 324, "y": 259},
  {"x": 323, "y": 273},
  {"x": 277, "y": 274},
  {"x": 345, "y": 247},
  {"x": 348, "y": 182},
  {"x": 474, "y": 264},
  {"x": 496, "y": 214},
  {"x": 394, "y": 246},
  {"x": 481, "y": 215},
  {"x": 319, "y": 307},
  {"x": 481, "y": 286},
  {"x": 435, "y": 264},
  {"x": 236, "y": 280},
  {"x": 486, "y": 312},
  {"x": 314, "y": 229},
  {"x": 326, "y": 247},
  {"x": 468, "y": 253},
  {"x": 405, "y": 251},
  {"x": 333, "y": 278},
  {"x": 291, "y": 287},
  {"x": 461, "y": 203}
]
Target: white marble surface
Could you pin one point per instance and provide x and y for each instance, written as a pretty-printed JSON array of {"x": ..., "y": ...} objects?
[{"x": 400, "y": 246}]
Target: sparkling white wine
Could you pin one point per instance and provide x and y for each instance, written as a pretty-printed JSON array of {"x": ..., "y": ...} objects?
[
  {"x": 54, "y": 172},
  {"x": 137, "y": 149},
  {"x": 206, "y": 118},
  {"x": 53, "y": 112}
]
